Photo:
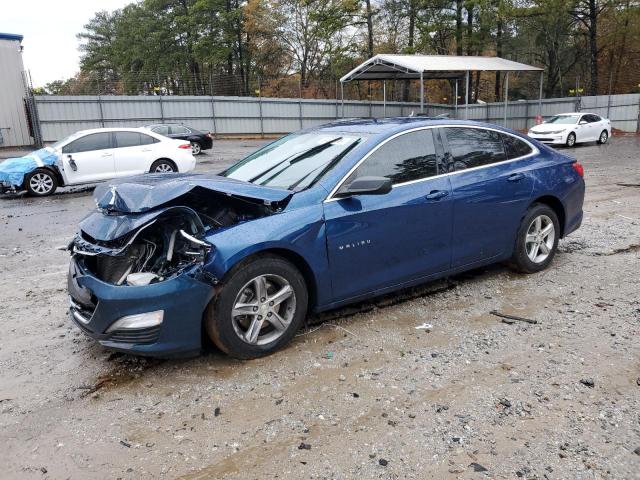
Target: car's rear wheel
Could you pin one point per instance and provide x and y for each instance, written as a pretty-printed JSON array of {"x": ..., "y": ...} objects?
[
  {"x": 41, "y": 182},
  {"x": 604, "y": 136},
  {"x": 537, "y": 239},
  {"x": 571, "y": 139},
  {"x": 196, "y": 148},
  {"x": 163, "y": 166},
  {"x": 260, "y": 307}
]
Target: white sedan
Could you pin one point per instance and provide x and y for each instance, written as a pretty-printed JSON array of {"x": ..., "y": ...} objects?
[
  {"x": 571, "y": 128},
  {"x": 91, "y": 156}
]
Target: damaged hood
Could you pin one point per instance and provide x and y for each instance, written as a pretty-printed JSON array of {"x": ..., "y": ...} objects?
[
  {"x": 109, "y": 227},
  {"x": 146, "y": 192}
]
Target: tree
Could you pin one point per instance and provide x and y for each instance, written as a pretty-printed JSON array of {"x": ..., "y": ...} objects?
[
  {"x": 313, "y": 31},
  {"x": 587, "y": 13}
]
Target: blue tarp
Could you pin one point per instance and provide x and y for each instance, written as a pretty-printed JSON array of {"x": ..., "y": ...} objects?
[{"x": 13, "y": 170}]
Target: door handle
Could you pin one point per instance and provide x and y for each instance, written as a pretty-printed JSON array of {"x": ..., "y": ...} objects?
[
  {"x": 515, "y": 177},
  {"x": 107, "y": 154},
  {"x": 146, "y": 149},
  {"x": 437, "y": 195}
]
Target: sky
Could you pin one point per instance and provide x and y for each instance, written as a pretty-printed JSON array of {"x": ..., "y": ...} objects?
[{"x": 49, "y": 28}]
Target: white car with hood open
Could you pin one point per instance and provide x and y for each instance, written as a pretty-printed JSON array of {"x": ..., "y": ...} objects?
[
  {"x": 91, "y": 156},
  {"x": 571, "y": 128}
]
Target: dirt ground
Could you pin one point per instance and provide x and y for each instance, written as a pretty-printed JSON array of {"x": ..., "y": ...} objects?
[{"x": 364, "y": 395}]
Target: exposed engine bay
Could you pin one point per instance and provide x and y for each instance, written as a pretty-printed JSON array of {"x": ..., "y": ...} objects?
[{"x": 141, "y": 248}]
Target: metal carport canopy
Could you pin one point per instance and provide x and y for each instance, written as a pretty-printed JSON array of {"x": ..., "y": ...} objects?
[
  {"x": 421, "y": 67},
  {"x": 386, "y": 67}
]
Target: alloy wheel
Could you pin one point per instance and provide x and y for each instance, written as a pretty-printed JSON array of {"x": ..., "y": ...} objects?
[
  {"x": 41, "y": 183},
  {"x": 263, "y": 309},
  {"x": 195, "y": 148},
  {"x": 164, "y": 168},
  {"x": 603, "y": 137},
  {"x": 571, "y": 140},
  {"x": 541, "y": 236}
]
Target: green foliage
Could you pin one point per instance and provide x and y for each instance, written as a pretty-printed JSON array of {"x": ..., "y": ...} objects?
[{"x": 246, "y": 46}]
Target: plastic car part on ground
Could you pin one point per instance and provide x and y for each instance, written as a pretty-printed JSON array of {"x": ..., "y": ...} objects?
[{"x": 13, "y": 170}]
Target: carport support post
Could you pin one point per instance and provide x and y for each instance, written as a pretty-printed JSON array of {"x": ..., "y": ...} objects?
[
  {"x": 456, "y": 104},
  {"x": 421, "y": 92},
  {"x": 260, "y": 108},
  {"x": 540, "y": 96},
  {"x": 102, "y": 112},
  {"x": 342, "y": 96},
  {"x": 466, "y": 95},
  {"x": 506, "y": 97},
  {"x": 384, "y": 99}
]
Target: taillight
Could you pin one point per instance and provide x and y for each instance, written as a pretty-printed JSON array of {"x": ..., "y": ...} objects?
[
  {"x": 578, "y": 168},
  {"x": 185, "y": 146},
  {"x": 210, "y": 135}
]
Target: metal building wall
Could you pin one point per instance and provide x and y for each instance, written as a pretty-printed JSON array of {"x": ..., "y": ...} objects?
[
  {"x": 14, "y": 129},
  {"x": 62, "y": 115}
]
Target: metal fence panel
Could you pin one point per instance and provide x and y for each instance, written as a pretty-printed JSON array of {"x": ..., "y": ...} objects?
[{"x": 62, "y": 115}]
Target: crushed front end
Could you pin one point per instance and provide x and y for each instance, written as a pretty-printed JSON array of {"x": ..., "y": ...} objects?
[
  {"x": 146, "y": 290},
  {"x": 137, "y": 280}
]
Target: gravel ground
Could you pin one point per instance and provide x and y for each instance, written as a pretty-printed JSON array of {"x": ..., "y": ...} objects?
[{"x": 363, "y": 394}]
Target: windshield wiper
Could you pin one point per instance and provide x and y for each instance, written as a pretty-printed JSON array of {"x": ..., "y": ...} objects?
[
  {"x": 326, "y": 166},
  {"x": 296, "y": 157}
]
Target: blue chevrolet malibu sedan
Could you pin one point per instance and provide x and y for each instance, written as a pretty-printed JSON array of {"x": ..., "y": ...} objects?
[{"x": 313, "y": 221}]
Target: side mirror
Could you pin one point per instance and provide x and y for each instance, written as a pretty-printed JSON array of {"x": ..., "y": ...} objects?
[
  {"x": 583, "y": 122},
  {"x": 368, "y": 186}
]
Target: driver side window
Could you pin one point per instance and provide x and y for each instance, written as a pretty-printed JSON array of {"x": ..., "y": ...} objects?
[
  {"x": 408, "y": 157},
  {"x": 88, "y": 143}
]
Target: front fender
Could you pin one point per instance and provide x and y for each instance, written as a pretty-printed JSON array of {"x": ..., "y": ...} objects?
[{"x": 300, "y": 231}]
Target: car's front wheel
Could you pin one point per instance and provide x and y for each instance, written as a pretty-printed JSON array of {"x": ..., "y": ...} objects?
[
  {"x": 604, "y": 136},
  {"x": 537, "y": 239},
  {"x": 41, "y": 182},
  {"x": 571, "y": 139},
  {"x": 163, "y": 166},
  {"x": 261, "y": 305},
  {"x": 196, "y": 148}
]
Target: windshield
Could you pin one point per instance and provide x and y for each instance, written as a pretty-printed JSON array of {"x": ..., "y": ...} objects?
[
  {"x": 564, "y": 119},
  {"x": 294, "y": 162},
  {"x": 59, "y": 143}
]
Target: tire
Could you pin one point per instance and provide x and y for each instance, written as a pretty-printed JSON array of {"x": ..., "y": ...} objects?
[
  {"x": 196, "y": 148},
  {"x": 41, "y": 182},
  {"x": 163, "y": 166},
  {"x": 571, "y": 139},
  {"x": 526, "y": 257},
  {"x": 253, "y": 335},
  {"x": 604, "y": 136}
]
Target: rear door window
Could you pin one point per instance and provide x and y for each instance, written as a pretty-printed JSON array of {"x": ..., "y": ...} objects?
[
  {"x": 161, "y": 129},
  {"x": 127, "y": 139},
  {"x": 409, "y": 157},
  {"x": 88, "y": 143},
  {"x": 147, "y": 139},
  {"x": 179, "y": 130},
  {"x": 474, "y": 147},
  {"x": 515, "y": 147}
]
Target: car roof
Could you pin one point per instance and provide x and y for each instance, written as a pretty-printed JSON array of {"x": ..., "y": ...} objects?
[
  {"x": 391, "y": 125},
  {"x": 165, "y": 124},
  {"x": 114, "y": 129},
  {"x": 574, "y": 113}
]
